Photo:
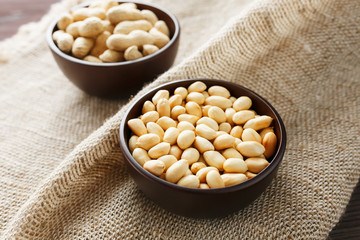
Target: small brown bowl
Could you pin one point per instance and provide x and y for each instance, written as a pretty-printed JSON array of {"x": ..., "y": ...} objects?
[
  {"x": 119, "y": 79},
  {"x": 201, "y": 203}
]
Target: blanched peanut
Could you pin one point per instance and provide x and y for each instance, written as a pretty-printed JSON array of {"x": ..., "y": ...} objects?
[
  {"x": 250, "y": 175},
  {"x": 189, "y": 181},
  {"x": 184, "y": 125},
  {"x": 159, "y": 39},
  {"x": 132, "y": 142},
  {"x": 235, "y": 165},
  {"x": 159, "y": 95},
  {"x": 151, "y": 116},
  {"x": 243, "y": 116},
  {"x": 82, "y": 47},
  {"x": 171, "y": 135},
  {"x": 231, "y": 179},
  {"x": 159, "y": 150},
  {"x": 219, "y": 91},
  {"x": 176, "y": 171},
  {"x": 63, "y": 40},
  {"x": 231, "y": 153},
  {"x": 225, "y": 127},
  {"x": 206, "y": 94},
  {"x": 65, "y": 21},
  {"x": 120, "y": 42},
  {"x": 185, "y": 139},
  {"x": 118, "y": 13},
  {"x": 209, "y": 122},
  {"x": 250, "y": 134},
  {"x": 265, "y": 131},
  {"x": 189, "y": 118},
  {"x": 181, "y": 91},
  {"x": 205, "y": 131},
  {"x": 100, "y": 44},
  {"x": 126, "y": 27},
  {"x": 191, "y": 155},
  {"x": 149, "y": 49},
  {"x": 147, "y": 141},
  {"x": 258, "y": 123},
  {"x": 214, "y": 159},
  {"x": 162, "y": 27},
  {"x": 83, "y": 13},
  {"x": 197, "y": 86},
  {"x": 237, "y": 142},
  {"x": 148, "y": 106},
  {"x": 111, "y": 56},
  {"x": 156, "y": 167},
  {"x": 175, "y": 151},
  {"x": 163, "y": 107},
  {"x": 242, "y": 103},
  {"x": 176, "y": 111},
  {"x": 218, "y": 101},
  {"x": 205, "y": 110},
  {"x": 193, "y": 108},
  {"x": 195, "y": 167},
  {"x": 223, "y": 141},
  {"x": 256, "y": 165},
  {"x": 203, "y": 145},
  {"x": 168, "y": 160},
  {"x": 141, "y": 156},
  {"x": 149, "y": 16},
  {"x": 201, "y": 174},
  {"x": 217, "y": 114},
  {"x": 73, "y": 29},
  {"x": 132, "y": 53},
  {"x": 156, "y": 129},
  {"x": 269, "y": 142},
  {"x": 214, "y": 180},
  {"x": 91, "y": 27},
  {"x": 175, "y": 101},
  {"x": 236, "y": 131},
  {"x": 250, "y": 148},
  {"x": 204, "y": 186},
  {"x": 166, "y": 122},
  {"x": 137, "y": 126},
  {"x": 128, "y": 5},
  {"x": 229, "y": 113},
  {"x": 195, "y": 97}
]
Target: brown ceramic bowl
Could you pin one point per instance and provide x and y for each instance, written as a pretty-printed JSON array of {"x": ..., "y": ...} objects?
[
  {"x": 201, "y": 203},
  {"x": 123, "y": 78}
]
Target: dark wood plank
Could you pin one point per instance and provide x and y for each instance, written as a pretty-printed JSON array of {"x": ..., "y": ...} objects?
[{"x": 14, "y": 13}]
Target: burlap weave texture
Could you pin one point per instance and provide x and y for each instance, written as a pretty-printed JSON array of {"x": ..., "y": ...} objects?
[{"x": 302, "y": 56}]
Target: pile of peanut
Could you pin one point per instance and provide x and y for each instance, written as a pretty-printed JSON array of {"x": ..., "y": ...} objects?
[
  {"x": 107, "y": 31},
  {"x": 201, "y": 137}
]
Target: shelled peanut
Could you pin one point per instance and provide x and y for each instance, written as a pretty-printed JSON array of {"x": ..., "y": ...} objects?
[
  {"x": 107, "y": 31},
  {"x": 202, "y": 137}
]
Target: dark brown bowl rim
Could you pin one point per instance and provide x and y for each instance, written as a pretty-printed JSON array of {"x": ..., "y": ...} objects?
[
  {"x": 271, "y": 167},
  {"x": 173, "y": 39}
]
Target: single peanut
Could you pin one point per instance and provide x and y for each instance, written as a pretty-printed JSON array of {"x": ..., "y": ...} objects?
[
  {"x": 156, "y": 167},
  {"x": 225, "y": 127},
  {"x": 91, "y": 27},
  {"x": 236, "y": 131},
  {"x": 203, "y": 145},
  {"x": 163, "y": 107},
  {"x": 231, "y": 179},
  {"x": 250, "y": 134},
  {"x": 265, "y": 131},
  {"x": 126, "y": 27},
  {"x": 209, "y": 122},
  {"x": 184, "y": 125},
  {"x": 185, "y": 139},
  {"x": 235, "y": 165},
  {"x": 189, "y": 118},
  {"x": 195, "y": 97},
  {"x": 159, "y": 39},
  {"x": 231, "y": 153},
  {"x": 137, "y": 126},
  {"x": 171, "y": 135},
  {"x": 65, "y": 21},
  {"x": 217, "y": 114},
  {"x": 175, "y": 151},
  {"x": 250, "y": 175},
  {"x": 201, "y": 174},
  {"x": 204, "y": 186},
  {"x": 100, "y": 44},
  {"x": 149, "y": 16},
  {"x": 223, "y": 141},
  {"x": 258, "y": 123},
  {"x": 149, "y": 49},
  {"x": 175, "y": 101},
  {"x": 218, "y": 101},
  {"x": 197, "y": 86},
  {"x": 269, "y": 142},
  {"x": 176, "y": 171},
  {"x": 162, "y": 27},
  {"x": 156, "y": 129},
  {"x": 63, "y": 40},
  {"x": 147, "y": 141},
  {"x": 205, "y": 131},
  {"x": 141, "y": 156},
  {"x": 119, "y": 13},
  {"x": 193, "y": 108},
  {"x": 219, "y": 91},
  {"x": 195, "y": 167},
  {"x": 214, "y": 159},
  {"x": 191, "y": 155},
  {"x": 189, "y": 181},
  {"x": 229, "y": 113},
  {"x": 214, "y": 180},
  {"x": 243, "y": 116},
  {"x": 132, "y": 142},
  {"x": 168, "y": 160},
  {"x": 159, "y": 95},
  {"x": 151, "y": 116},
  {"x": 242, "y": 103},
  {"x": 176, "y": 111},
  {"x": 256, "y": 164},
  {"x": 159, "y": 150},
  {"x": 120, "y": 42},
  {"x": 166, "y": 122},
  {"x": 181, "y": 91},
  {"x": 250, "y": 148}
]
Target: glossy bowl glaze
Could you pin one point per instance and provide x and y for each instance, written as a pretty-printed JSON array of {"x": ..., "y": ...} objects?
[
  {"x": 201, "y": 203},
  {"x": 119, "y": 79}
]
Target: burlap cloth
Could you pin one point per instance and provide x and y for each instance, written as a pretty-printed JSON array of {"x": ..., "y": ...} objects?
[{"x": 62, "y": 174}]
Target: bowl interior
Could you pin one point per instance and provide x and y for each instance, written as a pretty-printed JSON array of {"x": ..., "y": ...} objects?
[{"x": 260, "y": 105}]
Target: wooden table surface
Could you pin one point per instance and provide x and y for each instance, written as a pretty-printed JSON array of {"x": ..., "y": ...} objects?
[{"x": 14, "y": 13}]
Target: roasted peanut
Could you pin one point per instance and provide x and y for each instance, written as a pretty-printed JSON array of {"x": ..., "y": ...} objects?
[
  {"x": 132, "y": 142},
  {"x": 217, "y": 114},
  {"x": 229, "y": 113},
  {"x": 195, "y": 97},
  {"x": 231, "y": 153},
  {"x": 159, "y": 95},
  {"x": 225, "y": 127},
  {"x": 236, "y": 131},
  {"x": 188, "y": 117},
  {"x": 209, "y": 122},
  {"x": 159, "y": 39},
  {"x": 83, "y": 13},
  {"x": 193, "y": 108},
  {"x": 163, "y": 107},
  {"x": 63, "y": 40},
  {"x": 175, "y": 151},
  {"x": 184, "y": 125},
  {"x": 205, "y": 131},
  {"x": 269, "y": 142}
]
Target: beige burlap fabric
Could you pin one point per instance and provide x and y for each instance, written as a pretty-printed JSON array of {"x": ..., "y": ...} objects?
[{"x": 60, "y": 178}]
